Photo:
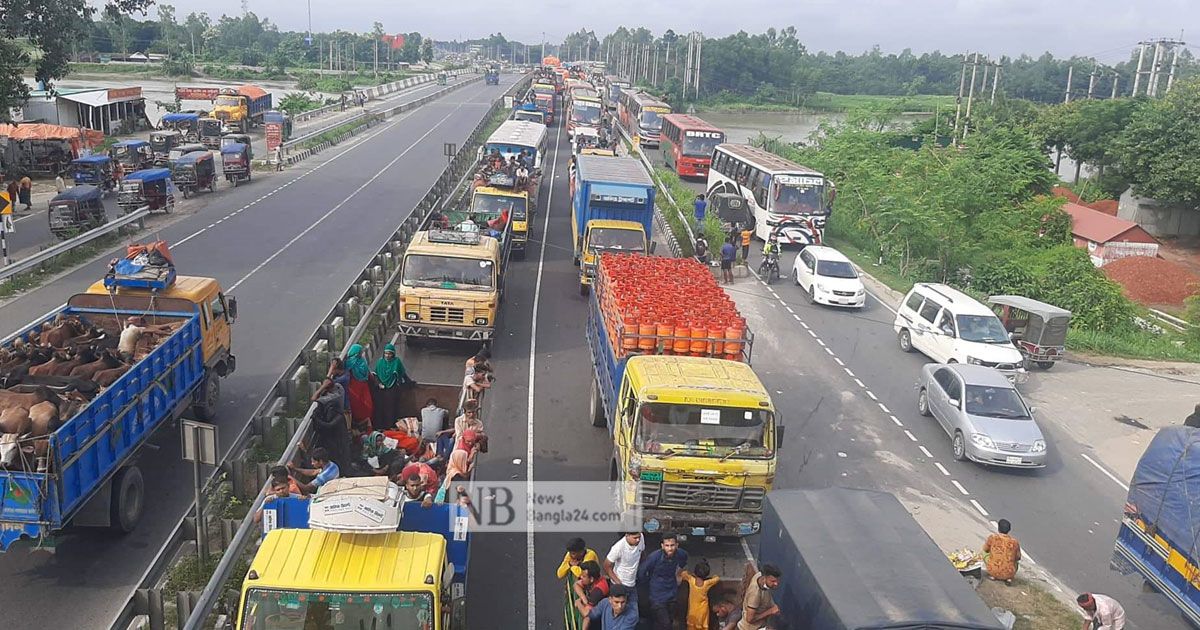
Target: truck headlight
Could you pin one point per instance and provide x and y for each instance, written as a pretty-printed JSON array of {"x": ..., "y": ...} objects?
[
  {"x": 752, "y": 499},
  {"x": 481, "y": 321},
  {"x": 648, "y": 492},
  {"x": 412, "y": 316}
]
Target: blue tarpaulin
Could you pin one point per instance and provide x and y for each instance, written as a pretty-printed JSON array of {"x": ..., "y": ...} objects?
[{"x": 1166, "y": 487}]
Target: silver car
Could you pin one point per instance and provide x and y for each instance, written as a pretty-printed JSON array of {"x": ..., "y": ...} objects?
[{"x": 983, "y": 414}]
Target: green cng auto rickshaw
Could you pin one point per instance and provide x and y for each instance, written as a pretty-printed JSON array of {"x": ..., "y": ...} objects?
[
  {"x": 1039, "y": 330},
  {"x": 76, "y": 210},
  {"x": 162, "y": 141},
  {"x": 151, "y": 188},
  {"x": 96, "y": 170},
  {"x": 134, "y": 155},
  {"x": 194, "y": 171}
]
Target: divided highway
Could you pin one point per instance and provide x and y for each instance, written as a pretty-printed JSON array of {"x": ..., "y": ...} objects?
[{"x": 287, "y": 247}]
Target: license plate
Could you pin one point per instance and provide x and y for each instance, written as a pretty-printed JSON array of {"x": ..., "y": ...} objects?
[
  {"x": 697, "y": 531},
  {"x": 1012, "y": 460}
]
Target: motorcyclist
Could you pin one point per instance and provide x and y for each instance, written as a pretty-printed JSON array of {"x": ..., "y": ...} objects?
[{"x": 770, "y": 253}]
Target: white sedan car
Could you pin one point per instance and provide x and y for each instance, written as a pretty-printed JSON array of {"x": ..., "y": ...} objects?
[{"x": 828, "y": 277}]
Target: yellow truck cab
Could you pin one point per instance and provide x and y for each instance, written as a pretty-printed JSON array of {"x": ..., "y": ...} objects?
[
  {"x": 187, "y": 294},
  {"x": 450, "y": 285},
  {"x": 497, "y": 200},
  {"x": 308, "y": 578},
  {"x": 610, "y": 235},
  {"x": 694, "y": 445}
]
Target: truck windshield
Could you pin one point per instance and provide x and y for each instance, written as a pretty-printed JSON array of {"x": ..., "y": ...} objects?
[
  {"x": 703, "y": 431},
  {"x": 424, "y": 270},
  {"x": 488, "y": 207},
  {"x": 312, "y": 610},
  {"x": 616, "y": 240},
  {"x": 228, "y": 101}
]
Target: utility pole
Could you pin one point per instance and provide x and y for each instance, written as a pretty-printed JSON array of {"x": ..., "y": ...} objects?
[
  {"x": 1114, "y": 87},
  {"x": 1171, "y": 74},
  {"x": 970, "y": 95},
  {"x": 1070, "y": 75},
  {"x": 995, "y": 82},
  {"x": 1092, "y": 82},
  {"x": 1137, "y": 77},
  {"x": 987, "y": 66},
  {"x": 1152, "y": 88},
  {"x": 543, "y": 44},
  {"x": 962, "y": 83},
  {"x": 699, "y": 56}
]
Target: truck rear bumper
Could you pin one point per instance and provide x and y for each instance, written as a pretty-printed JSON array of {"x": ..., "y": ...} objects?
[
  {"x": 446, "y": 332},
  {"x": 701, "y": 524}
]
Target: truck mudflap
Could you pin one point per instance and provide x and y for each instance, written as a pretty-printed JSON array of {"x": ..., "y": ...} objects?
[
  {"x": 1137, "y": 552},
  {"x": 21, "y": 506},
  {"x": 446, "y": 332},
  {"x": 701, "y": 524}
]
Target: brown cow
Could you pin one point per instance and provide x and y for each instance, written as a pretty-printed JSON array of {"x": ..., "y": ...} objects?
[
  {"x": 60, "y": 334},
  {"x": 107, "y": 360},
  {"x": 104, "y": 378},
  {"x": 47, "y": 368},
  {"x": 43, "y": 418},
  {"x": 15, "y": 420},
  {"x": 82, "y": 355}
]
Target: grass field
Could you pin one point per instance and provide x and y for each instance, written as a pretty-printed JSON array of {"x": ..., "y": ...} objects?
[{"x": 827, "y": 102}]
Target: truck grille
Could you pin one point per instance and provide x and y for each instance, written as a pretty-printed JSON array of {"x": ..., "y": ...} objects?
[
  {"x": 699, "y": 495},
  {"x": 445, "y": 315}
]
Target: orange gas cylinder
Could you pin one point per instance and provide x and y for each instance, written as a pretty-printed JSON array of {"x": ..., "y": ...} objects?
[
  {"x": 646, "y": 331},
  {"x": 717, "y": 333},
  {"x": 629, "y": 331},
  {"x": 682, "y": 339},
  {"x": 733, "y": 336},
  {"x": 699, "y": 339}
]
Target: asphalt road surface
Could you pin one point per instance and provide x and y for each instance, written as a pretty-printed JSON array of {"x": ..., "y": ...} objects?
[
  {"x": 1065, "y": 515},
  {"x": 287, "y": 247}
]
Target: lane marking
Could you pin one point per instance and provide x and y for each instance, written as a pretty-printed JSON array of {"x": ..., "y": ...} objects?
[
  {"x": 942, "y": 468},
  {"x": 897, "y": 421},
  {"x": 746, "y": 550},
  {"x": 980, "y": 508},
  {"x": 1106, "y": 473},
  {"x": 341, "y": 204},
  {"x": 872, "y": 395},
  {"x": 859, "y": 383},
  {"x": 925, "y": 451},
  {"x": 537, "y": 296},
  {"x": 839, "y": 362},
  {"x": 960, "y": 487},
  {"x": 849, "y": 372},
  {"x": 910, "y": 435},
  {"x": 828, "y": 351},
  {"x": 884, "y": 408}
]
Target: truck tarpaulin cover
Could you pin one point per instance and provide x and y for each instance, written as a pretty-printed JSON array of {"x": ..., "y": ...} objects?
[
  {"x": 251, "y": 91},
  {"x": 40, "y": 131},
  {"x": 1166, "y": 486},
  {"x": 857, "y": 560}
]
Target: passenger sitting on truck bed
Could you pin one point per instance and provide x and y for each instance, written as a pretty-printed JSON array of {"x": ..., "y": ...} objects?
[
  {"x": 282, "y": 487},
  {"x": 475, "y": 384},
  {"x": 323, "y": 471},
  {"x": 590, "y": 587},
  {"x": 378, "y": 451},
  {"x": 577, "y": 554},
  {"x": 458, "y": 469},
  {"x": 414, "y": 490}
]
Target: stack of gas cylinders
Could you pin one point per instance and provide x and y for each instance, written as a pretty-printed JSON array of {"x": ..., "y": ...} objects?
[{"x": 656, "y": 305}]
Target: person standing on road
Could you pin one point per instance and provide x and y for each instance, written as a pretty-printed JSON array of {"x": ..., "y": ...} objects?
[
  {"x": 1101, "y": 612},
  {"x": 728, "y": 255},
  {"x": 278, "y": 159},
  {"x": 758, "y": 607},
  {"x": 1002, "y": 553},
  {"x": 14, "y": 192},
  {"x": 60, "y": 184},
  {"x": 662, "y": 571},
  {"x": 590, "y": 587},
  {"x": 26, "y": 192},
  {"x": 746, "y": 234},
  {"x": 700, "y": 581},
  {"x": 621, "y": 563},
  {"x": 618, "y": 611},
  {"x": 698, "y": 208}
]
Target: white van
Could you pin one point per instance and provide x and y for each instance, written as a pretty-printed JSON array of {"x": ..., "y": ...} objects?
[
  {"x": 828, "y": 277},
  {"x": 950, "y": 326}
]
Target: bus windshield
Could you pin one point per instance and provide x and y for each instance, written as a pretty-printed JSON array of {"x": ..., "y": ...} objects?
[
  {"x": 446, "y": 272},
  {"x": 585, "y": 113},
  {"x": 650, "y": 121},
  {"x": 702, "y": 431},
  {"x": 798, "y": 194},
  {"x": 701, "y": 143},
  {"x": 285, "y": 610},
  {"x": 616, "y": 240}
]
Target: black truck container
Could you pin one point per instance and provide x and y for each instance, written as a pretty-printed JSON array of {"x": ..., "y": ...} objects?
[{"x": 857, "y": 560}]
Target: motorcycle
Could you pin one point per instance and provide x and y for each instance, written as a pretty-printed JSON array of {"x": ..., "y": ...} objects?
[{"x": 768, "y": 269}]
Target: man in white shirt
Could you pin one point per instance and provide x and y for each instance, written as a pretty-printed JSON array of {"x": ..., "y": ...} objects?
[
  {"x": 1101, "y": 612},
  {"x": 621, "y": 563},
  {"x": 135, "y": 327}
]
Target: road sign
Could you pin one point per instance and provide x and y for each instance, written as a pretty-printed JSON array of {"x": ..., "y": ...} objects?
[
  {"x": 5, "y": 203},
  {"x": 7, "y": 224},
  {"x": 199, "y": 442}
]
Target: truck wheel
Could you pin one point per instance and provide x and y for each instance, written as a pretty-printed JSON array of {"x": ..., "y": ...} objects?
[
  {"x": 595, "y": 408},
  {"x": 205, "y": 404},
  {"x": 125, "y": 509}
]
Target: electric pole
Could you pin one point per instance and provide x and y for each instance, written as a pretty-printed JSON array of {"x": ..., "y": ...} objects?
[
  {"x": 1152, "y": 88},
  {"x": 995, "y": 82},
  {"x": 1137, "y": 77},
  {"x": 1114, "y": 87},
  {"x": 962, "y": 83},
  {"x": 1070, "y": 75},
  {"x": 970, "y": 94},
  {"x": 1171, "y": 74}
]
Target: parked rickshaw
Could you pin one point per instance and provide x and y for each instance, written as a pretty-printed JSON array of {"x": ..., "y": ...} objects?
[
  {"x": 76, "y": 210},
  {"x": 210, "y": 133},
  {"x": 194, "y": 171},
  {"x": 134, "y": 155},
  {"x": 150, "y": 188},
  {"x": 186, "y": 123},
  {"x": 1039, "y": 330},
  {"x": 162, "y": 141},
  {"x": 441, "y": 78},
  {"x": 96, "y": 170},
  {"x": 183, "y": 150},
  {"x": 235, "y": 162}
]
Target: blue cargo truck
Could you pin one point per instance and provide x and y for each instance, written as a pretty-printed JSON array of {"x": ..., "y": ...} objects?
[
  {"x": 612, "y": 209},
  {"x": 84, "y": 472},
  {"x": 1158, "y": 534}
]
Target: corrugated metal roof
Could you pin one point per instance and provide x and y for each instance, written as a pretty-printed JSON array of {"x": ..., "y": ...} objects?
[
  {"x": 614, "y": 170},
  {"x": 519, "y": 132},
  {"x": 1099, "y": 227},
  {"x": 765, "y": 158}
]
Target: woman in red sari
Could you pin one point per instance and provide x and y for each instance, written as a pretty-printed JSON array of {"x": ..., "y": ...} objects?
[{"x": 359, "y": 391}]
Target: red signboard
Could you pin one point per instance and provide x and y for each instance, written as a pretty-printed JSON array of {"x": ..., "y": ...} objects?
[
  {"x": 274, "y": 135},
  {"x": 120, "y": 94},
  {"x": 195, "y": 93}
]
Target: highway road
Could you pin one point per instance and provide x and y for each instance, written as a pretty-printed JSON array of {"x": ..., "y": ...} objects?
[
  {"x": 287, "y": 247},
  {"x": 1066, "y": 515}
]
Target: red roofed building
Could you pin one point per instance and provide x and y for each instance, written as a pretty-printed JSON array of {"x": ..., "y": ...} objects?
[{"x": 1106, "y": 237}]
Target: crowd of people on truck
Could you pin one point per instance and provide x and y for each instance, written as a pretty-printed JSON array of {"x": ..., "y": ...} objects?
[
  {"x": 616, "y": 592},
  {"x": 359, "y": 431}
]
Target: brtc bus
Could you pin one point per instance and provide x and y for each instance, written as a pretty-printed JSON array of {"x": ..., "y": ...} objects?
[
  {"x": 688, "y": 143},
  {"x": 780, "y": 193},
  {"x": 641, "y": 116}
]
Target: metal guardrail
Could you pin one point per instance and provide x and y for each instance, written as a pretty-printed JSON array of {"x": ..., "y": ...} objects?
[
  {"x": 375, "y": 283},
  {"x": 1169, "y": 320},
  {"x": 373, "y": 93},
  {"x": 58, "y": 249},
  {"x": 650, "y": 169}
]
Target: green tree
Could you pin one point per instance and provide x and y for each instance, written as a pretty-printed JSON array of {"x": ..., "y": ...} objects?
[
  {"x": 1157, "y": 150},
  {"x": 427, "y": 50}
]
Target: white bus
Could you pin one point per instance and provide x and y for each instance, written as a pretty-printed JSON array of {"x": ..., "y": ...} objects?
[
  {"x": 514, "y": 136},
  {"x": 776, "y": 191}
]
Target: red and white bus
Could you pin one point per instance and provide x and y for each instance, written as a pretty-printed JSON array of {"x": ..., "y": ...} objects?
[
  {"x": 641, "y": 116},
  {"x": 687, "y": 144}
]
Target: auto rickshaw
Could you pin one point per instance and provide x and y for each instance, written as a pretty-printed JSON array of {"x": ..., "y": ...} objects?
[
  {"x": 441, "y": 78},
  {"x": 235, "y": 162},
  {"x": 183, "y": 150},
  {"x": 186, "y": 123},
  {"x": 210, "y": 133},
  {"x": 76, "y": 210},
  {"x": 238, "y": 138},
  {"x": 151, "y": 188},
  {"x": 134, "y": 155},
  {"x": 96, "y": 170},
  {"x": 162, "y": 141},
  {"x": 194, "y": 171},
  {"x": 1039, "y": 330}
]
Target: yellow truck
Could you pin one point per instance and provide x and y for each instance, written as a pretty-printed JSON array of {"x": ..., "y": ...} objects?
[
  {"x": 308, "y": 578},
  {"x": 612, "y": 210},
  {"x": 505, "y": 202},
  {"x": 450, "y": 285},
  {"x": 242, "y": 107}
]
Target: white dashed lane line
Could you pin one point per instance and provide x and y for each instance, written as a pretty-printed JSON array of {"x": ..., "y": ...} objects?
[
  {"x": 942, "y": 468},
  {"x": 960, "y": 487},
  {"x": 925, "y": 451},
  {"x": 979, "y": 507}
]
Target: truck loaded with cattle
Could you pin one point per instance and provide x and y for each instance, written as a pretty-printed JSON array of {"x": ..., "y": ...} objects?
[{"x": 85, "y": 386}]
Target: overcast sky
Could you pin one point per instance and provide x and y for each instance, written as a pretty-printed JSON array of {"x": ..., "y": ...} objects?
[{"x": 1103, "y": 28}]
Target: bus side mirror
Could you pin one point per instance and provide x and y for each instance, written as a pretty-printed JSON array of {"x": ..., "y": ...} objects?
[{"x": 232, "y": 304}]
